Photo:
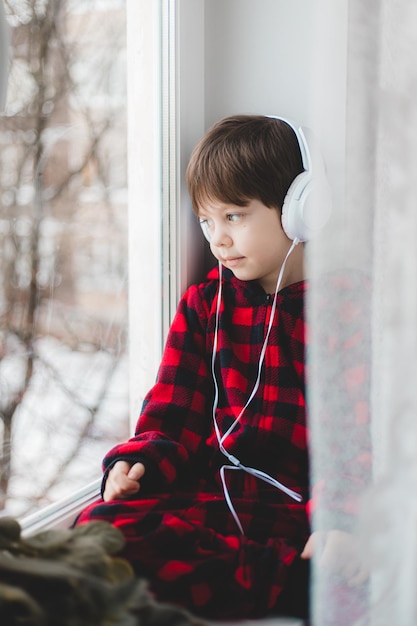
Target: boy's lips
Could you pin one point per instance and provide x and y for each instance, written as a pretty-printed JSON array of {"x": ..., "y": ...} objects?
[{"x": 232, "y": 261}]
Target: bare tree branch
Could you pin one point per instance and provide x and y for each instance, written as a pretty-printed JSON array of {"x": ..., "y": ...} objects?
[{"x": 45, "y": 187}]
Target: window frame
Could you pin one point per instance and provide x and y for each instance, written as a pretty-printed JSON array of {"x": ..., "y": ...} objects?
[{"x": 165, "y": 119}]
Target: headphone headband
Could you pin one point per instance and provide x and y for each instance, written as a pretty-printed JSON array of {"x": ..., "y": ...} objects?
[
  {"x": 302, "y": 142},
  {"x": 307, "y": 204}
]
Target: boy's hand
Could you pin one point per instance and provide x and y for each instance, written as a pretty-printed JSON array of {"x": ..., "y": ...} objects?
[
  {"x": 338, "y": 552},
  {"x": 123, "y": 480}
]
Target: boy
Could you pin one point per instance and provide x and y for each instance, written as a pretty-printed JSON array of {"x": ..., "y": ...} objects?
[{"x": 211, "y": 491}]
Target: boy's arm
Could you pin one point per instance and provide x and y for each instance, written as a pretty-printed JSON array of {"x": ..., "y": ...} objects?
[
  {"x": 172, "y": 429},
  {"x": 338, "y": 552}
]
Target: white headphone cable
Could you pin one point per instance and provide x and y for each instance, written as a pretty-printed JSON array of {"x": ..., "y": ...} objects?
[{"x": 221, "y": 438}]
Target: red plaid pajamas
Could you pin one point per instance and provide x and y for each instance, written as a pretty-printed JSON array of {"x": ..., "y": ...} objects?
[{"x": 180, "y": 533}]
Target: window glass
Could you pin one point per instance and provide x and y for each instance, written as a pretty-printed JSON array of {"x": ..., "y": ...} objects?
[{"x": 63, "y": 248}]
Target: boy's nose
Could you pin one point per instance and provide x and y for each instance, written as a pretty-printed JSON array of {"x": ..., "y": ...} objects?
[{"x": 220, "y": 236}]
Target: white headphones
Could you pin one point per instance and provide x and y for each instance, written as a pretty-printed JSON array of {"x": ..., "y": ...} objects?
[{"x": 307, "y": 204}]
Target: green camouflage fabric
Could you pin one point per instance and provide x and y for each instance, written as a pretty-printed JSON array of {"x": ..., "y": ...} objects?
[{"x": 71, "y": 577}]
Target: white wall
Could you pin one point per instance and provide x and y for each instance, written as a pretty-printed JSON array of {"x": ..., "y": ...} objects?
[
  {"x": 284, "y": 58},
  {"x": 257, "y": 57}
]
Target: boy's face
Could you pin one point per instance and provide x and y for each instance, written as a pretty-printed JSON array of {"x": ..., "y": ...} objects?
[{"x": 250, "y": 241}]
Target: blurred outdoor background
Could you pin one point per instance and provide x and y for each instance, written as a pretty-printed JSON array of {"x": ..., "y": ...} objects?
[{"x": 63, "y": 248}]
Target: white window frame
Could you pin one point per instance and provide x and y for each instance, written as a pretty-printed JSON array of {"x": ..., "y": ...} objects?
[{"x": 165, "y": 118}]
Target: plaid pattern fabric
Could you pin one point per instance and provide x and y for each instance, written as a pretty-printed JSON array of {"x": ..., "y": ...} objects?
[{"x": 180, "y": 533}]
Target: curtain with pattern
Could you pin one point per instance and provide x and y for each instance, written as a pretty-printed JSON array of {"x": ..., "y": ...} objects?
[{"x": 363, "y": 349}]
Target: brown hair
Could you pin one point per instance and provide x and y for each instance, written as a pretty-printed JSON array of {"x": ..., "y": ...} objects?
[{"x": 243, "y": 158}]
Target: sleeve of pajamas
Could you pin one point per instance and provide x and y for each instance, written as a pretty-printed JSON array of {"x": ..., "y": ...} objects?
[{"x": 175, "y": 419}]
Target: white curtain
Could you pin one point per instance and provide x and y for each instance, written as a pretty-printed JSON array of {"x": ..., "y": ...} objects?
[
  {"x": 363, "y": 318},
  {"x": 4, "y": 56}
]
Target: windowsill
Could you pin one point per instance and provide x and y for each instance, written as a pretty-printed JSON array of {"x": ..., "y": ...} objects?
[{"x": 61, "y": 514}]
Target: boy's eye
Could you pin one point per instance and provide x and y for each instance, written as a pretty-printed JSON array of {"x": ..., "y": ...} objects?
[{"x": 233, "y": 217}]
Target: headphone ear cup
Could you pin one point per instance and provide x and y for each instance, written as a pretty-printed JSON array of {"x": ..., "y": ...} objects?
[
  {"x": 308, "y": 202},
  {"x": 293, "y": 207},
  {"x": 306, "y": 208}
]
